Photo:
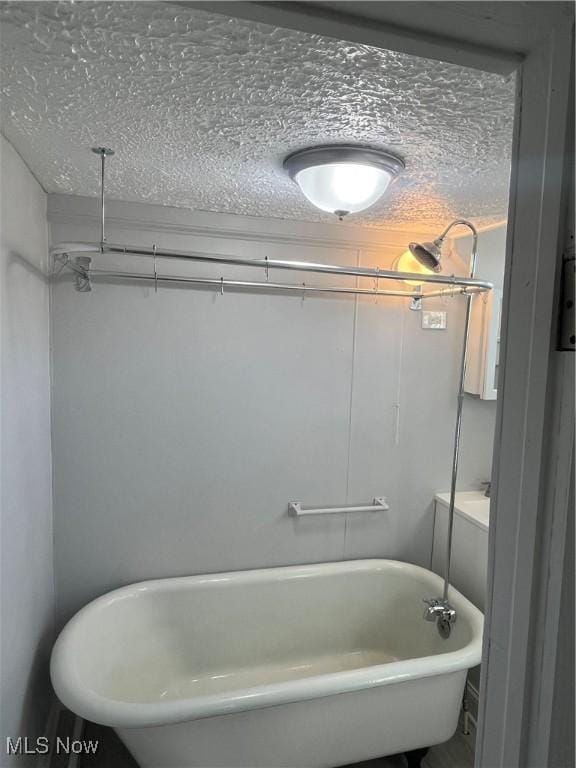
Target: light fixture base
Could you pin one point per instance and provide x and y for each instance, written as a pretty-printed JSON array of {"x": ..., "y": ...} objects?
[{"x": 340, "y": 154}]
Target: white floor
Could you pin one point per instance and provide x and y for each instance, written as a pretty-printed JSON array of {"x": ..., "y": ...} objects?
[{"x": 456, "y": 753}]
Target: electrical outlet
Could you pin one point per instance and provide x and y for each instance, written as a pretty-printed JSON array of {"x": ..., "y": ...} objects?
[{"x": 433, "y": 321}]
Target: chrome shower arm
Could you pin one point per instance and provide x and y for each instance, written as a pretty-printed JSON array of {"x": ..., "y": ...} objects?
[
  {"x": 457, "y": 223},
  {"x": 465, "y": 223}
]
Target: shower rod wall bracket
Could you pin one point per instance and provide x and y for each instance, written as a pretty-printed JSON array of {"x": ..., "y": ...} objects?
[
  {"x": 80, "y": 268},
  {"x": 82, "y": 282}
]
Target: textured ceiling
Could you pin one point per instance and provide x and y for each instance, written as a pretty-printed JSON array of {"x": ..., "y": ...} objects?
[{"x": 201, "y": 110}]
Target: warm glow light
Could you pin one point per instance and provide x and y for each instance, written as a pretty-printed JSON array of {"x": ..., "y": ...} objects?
[
  {"x": 407, "y": 263},
  {"x": 343, "y": 187}
]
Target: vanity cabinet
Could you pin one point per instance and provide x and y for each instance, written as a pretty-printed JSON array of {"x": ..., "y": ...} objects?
[{"x": 469, "y": 565}]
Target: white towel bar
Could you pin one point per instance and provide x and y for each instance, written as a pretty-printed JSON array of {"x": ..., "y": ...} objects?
[{"x": 378, "y": 505}]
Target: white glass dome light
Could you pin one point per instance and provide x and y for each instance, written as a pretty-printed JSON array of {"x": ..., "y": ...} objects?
[{"x": 343, "y": 179}]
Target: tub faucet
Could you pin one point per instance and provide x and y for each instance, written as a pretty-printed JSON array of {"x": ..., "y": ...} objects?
[
  {"x": 487, "y": 488},
  {"x": 439, "y": 610}
]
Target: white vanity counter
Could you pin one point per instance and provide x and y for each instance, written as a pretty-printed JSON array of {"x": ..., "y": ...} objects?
[{"x": 473, "y": 505}]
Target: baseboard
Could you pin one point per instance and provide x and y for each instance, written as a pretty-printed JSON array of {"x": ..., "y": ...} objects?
[
  {"x": 77, "y": 731},
  {"x": 473, "y": 702},
  {"x": 65, "y": 725},
  {"x": 51, "y": 731}
]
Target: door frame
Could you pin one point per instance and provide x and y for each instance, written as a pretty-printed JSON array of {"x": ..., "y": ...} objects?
[{"x": 512, "y": 729}]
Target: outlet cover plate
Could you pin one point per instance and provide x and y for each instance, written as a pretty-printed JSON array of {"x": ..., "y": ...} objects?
[{"x": 433, "y": 321}]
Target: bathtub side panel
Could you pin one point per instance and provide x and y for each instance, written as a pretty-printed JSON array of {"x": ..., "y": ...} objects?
[{"x": 319, "y": 733}]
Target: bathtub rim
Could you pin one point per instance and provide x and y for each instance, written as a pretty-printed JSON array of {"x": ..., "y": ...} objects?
[{"x": 122, "y": 714}]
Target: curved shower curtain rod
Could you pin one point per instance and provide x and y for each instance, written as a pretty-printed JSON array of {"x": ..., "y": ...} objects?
[
  {"x": 78, "y": 254},
  {"x": 76, "y": 257}
]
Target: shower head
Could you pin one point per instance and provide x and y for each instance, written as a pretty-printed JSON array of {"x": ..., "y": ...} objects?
[{"x": 428, "y": 254}]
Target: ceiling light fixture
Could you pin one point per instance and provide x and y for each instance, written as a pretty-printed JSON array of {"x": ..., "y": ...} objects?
[{"x": 343, "y": 179}]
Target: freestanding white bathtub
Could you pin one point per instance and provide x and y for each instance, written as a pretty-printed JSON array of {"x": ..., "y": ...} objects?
[{"x": 317, "y": 665}]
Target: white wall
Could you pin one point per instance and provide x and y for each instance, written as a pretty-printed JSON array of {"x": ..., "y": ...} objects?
[
  {"x": 185, "y": 421},
  {"x": 491, "y": 250},
  {"x": 26, "y": 487}
]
